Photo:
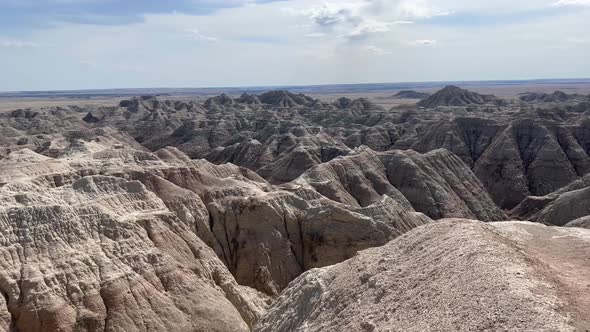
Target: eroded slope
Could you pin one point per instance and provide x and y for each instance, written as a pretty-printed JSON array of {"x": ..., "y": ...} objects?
[{"x": 453, "y": 275}]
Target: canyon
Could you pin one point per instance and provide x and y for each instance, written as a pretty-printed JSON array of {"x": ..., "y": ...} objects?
[{"x": 281, "y": 211}]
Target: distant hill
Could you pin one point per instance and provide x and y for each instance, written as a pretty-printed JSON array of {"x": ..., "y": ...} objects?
[
  {"x": 454, "y": 96},
  {"x": 411, "y": 94},
  {"x": 557, "y": 96}
]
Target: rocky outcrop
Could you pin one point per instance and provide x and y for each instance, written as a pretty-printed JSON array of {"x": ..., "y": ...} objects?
[
  {"x": 437, "y": 184},
  {"x": 248, "y": 99},
  {"x": 467, "y": 137},
  {"x": 104, "y": 253},
  {"x": 221, "y": 100},
  {"x": 411, "y": 94},
  {"x": 530, "y": 157},
  {"x": 440, "y": 185},
  {"x": 452, "y": 275},
  {"x": 187, "y": 215},
  {"x": 455, "y": 96},
  {"x": 127, "y": 239},
  {"x": 359, "y": 104},
  {"x": 285, "y": 99},
  {"x": 24, "y": 164},
  {"x": 512, "y": 148},
  {"x": 564, "y": 206},
  {"x": 583, "y": 222},
  {"x": 555, "y": 97},
  {"x": 514, "y": 157},
  {"x": 268, "y": 240},
  {"x": 583, "y": 107},
  {"x": 283, "y": 157}
]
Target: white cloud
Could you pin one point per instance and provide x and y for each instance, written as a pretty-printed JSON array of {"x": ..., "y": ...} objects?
[
  {"x": 316, "y": 35},
  {"x": 195, "y": 34},
  {"x": 402, "y": 22},
  {"x": 359, "y": 19},
  {"x": 223, "y": 47},
  {"x": 333, "y": 13},
  {"x": 319, "y": 53},
  {"x": 89, "y": 63},
  {"x": 369, "y": 27},
  {"x": 376, "y": 50},
  {"x": 18, "y": 44},
  {"x": 354, "y": 19},
  {"x": 420, "y": 9},
  {"x": 423, "y": 42},
  {"x": 565, "y": 3},
  {"x": 576, "y": 40}
]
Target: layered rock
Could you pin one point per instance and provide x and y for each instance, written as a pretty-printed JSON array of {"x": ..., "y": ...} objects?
[
  {"x": 104, "y": 253},
  {"x": 282, "y": 157},
  {"x": 511, "y": 147},
  {"x": 530, "y": 157},
  {"x": 440, "y": 185},
  {"x": 411, "y": 94},
  {"x": 452, "y": 275},
  {"x": 568, "y": 205},
  {"x": 455, "y": 96},
  {"x": 437, "y": 184},
  {"x": 162, "y": 242},
  {"x": 467, "y": 137},
  {"x": 110, "y": 224},
  {"x": 24, "y": 164},
  {"x": 285, "y": 99},
  {"x": 583, "y": 222},
  {"x": 268, "y": 240},
  {"x": 555, "y": 97}
]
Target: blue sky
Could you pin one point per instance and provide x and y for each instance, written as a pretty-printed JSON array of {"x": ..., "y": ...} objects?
[
  {"x": 79, "y": 44},
  {"x": 25, "y": 15}
]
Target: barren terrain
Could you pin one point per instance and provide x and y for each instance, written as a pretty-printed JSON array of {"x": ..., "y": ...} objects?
[{"x": 285, "y": 211}]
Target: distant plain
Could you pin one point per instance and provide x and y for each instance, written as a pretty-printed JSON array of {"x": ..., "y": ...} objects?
[{"x": 381, "y": 94}]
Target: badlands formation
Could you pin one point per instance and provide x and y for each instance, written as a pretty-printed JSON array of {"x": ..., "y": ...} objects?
[{"x": 281, "y": 212}]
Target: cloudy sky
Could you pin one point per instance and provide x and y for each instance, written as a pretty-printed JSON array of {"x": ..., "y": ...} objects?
[{"x": 81, "y": 44}]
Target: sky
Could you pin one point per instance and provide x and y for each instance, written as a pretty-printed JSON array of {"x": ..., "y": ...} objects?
[{"x": 95, "y": 44}]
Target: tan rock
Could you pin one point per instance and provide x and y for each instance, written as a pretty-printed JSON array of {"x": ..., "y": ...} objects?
[{"x": 452, "y": 275}]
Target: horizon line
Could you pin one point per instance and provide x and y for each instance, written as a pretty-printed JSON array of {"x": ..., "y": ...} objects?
[{"x": 299, "y": 86}]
